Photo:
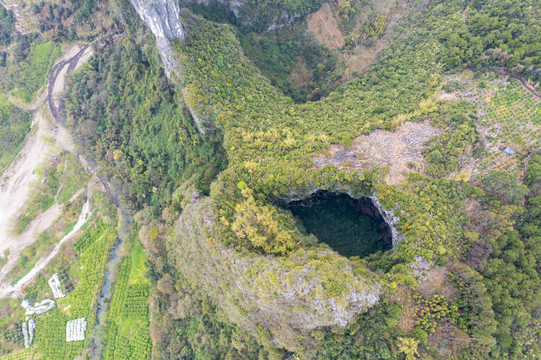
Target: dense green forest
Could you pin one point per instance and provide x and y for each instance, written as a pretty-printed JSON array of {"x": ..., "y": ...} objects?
[
  {"x": 269, "y": 142},
  {"x": 133, "y": 123},
  {"x": 6, "y": 27}
]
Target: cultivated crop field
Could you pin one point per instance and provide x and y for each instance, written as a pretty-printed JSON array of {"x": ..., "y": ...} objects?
[
  {"x": 87, "y": 272},
  {"x": 509, "y": 116},
  {"x": 128, "y": 335}
]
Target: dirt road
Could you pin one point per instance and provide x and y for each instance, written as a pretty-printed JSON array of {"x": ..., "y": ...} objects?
[
  {"x": 56, "y": 85},
  {"x": 42, "y": 143},
  {"x": 6, "y": 289}
]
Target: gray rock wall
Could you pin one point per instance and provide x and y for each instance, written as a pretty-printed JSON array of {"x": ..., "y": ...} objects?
[
  {"x": 286, "y": 295},
  {"x": 162, "y": 17}
]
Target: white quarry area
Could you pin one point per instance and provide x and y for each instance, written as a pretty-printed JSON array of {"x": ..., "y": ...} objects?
[
  {"x": 39, "y": 307},
  {"x": 54, "y": 283},
  {"x": 75, "y": 330},
  {"x": 14, "y": 181},
  {"x": 28, "y": 331}
]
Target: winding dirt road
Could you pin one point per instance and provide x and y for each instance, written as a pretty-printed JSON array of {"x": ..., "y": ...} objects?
[
  {"x": 59, "y": 71},
  {"x": 47, "y": 141}
]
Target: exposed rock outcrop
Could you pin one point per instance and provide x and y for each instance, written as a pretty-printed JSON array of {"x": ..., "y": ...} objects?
[
  {"x": 421, "y": 267},
  {"x": 391, "y": 219},
  {"x": 305, "y": 290},
  {"x": 163, "y": 19}
]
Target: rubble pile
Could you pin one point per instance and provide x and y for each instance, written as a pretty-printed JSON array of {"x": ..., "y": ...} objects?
[{"x": 420, "y": 267}]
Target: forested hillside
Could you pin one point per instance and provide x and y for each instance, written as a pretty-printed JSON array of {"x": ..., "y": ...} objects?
[{"x": 344, "y": 179}]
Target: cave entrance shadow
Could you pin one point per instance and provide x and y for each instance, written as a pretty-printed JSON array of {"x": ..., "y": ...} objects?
[{"x": 351, "y": 227}]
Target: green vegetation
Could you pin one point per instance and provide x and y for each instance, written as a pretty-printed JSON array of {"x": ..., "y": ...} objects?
[
  {"x": 58, "y": 181},
  {"x": 32, "y": 62},
  {"x": 108, "y": 212},
  {"x": 14, "y": 125},
  {"x": 222, "y": 272},
  {"x": 128, "y": 333},
  {"x": 133, "y": 123},
  {"x": 337, "y": 221},
  {"x": 72, "y": 179},
  {"x": 292, "y": 62},
  {"x": 270, "y": 143},
  {"x": 270, "y": 153},
  {"x": 81, "y": 277},
  {"x": 509, "y": 116},
  {"x": 496, "y": 33},
  {"x": 512, "y": 278},
  {"x": 4, "y": 258},
  {"x": 7, "y": 28},
  {"x": 262, "y": 14},
  {"x": 87, "y": 273}
]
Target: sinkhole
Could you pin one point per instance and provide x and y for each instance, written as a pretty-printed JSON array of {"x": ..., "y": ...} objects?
[{"x": 351, "y": 227}]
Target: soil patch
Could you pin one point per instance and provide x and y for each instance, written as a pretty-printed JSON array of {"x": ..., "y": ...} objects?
[
  {"x": 323, "y": 27},
  {"x": 39, "y": 145},
  {"x": 399, "y": 151}
]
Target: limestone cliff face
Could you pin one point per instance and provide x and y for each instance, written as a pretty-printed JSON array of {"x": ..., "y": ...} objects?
[
  {"x": 391, "y": 219},
  {"x": 162, "y": 17},
  {"x": 286, "y": 296}
]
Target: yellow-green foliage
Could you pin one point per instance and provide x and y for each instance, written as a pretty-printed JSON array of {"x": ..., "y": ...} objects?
[
  {"x": 510, "y": 116},
  {"x": 89, "y": 272},
  {"x": 29, "y": 75},
  {"x": 375, "y": 27},
  {"x": 271, "y": 141},
  {"x": 329, "y": 289},
  {"x": 58, "y": 180},
  {"x": 14, "y": 125},
  {"x": 72, "y": 179},
  {"x": 26, "y": 354},
  {"x": 128, "y": 334},
  {"x": 258, "y": 225}
]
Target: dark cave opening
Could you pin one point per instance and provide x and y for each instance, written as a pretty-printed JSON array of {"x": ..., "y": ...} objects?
[{"x": 351, "y": 227}]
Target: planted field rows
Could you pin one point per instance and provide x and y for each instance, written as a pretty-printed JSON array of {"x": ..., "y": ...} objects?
[{"x": 509, "y": 118}]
